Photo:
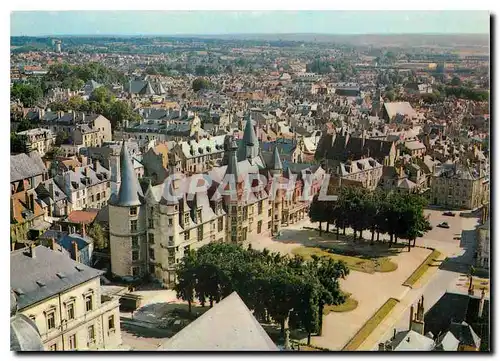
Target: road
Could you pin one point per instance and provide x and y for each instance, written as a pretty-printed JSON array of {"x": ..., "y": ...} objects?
[{"x": 460, "y": 257}]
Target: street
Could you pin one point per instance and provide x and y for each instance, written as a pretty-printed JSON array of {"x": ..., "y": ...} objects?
[{"x": 460, "y": 257}]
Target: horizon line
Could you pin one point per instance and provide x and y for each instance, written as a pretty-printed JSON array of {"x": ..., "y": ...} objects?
[{"x": 239, "y": 34}]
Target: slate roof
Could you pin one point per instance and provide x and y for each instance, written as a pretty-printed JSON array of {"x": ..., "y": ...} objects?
[
  {"x": 24, "y": 335},
  {"x": 81, "y": 242},
  {"x": 447, "y": 342},
  {"x": 337, "y": 147},
  {"x": 43, "y": 192},
  {"x": 130, "y": 191},
  {"x": 27, "y": 274},
  {"x": 412, "y": 341},
  {"x": 276, "y": 163},
  {"x": 228, "y": 326},
  {"x": 451, "y": 307},
  {"x": 465, "y": 334},
  {"x": 205, "y": 146},
  {"x": 249, "y": 147},
  {"x": 24, "y": 166}
]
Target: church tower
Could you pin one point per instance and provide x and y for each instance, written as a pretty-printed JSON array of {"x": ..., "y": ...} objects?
[{"x": 127, "y": 223}]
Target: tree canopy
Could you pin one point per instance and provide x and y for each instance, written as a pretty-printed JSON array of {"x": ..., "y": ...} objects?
[
  {"x": 401, "y": 215},
  {"x": 201, "y": 83},
  {"x": 28, "y": 94},
  {"x": 274, "y": 286}
]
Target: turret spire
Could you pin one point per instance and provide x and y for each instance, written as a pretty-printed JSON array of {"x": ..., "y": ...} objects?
[{"x": 130, "y": 191}]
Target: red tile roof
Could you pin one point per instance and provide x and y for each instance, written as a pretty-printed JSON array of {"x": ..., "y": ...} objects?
[{"x": 85, "y": 217}]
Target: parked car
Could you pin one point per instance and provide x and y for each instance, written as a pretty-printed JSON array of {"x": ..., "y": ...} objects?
[
  {"x": 443, "y": 225},
  {"x": 449, "y": 214}
]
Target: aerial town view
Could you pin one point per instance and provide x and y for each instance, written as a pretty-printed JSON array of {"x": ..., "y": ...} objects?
[{"x": 218, "y": 183}]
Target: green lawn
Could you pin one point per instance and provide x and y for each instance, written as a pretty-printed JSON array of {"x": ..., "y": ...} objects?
[
  {"x": 349, "y": 305},
  {"x": 370, "y": 325},
  {"x": 367, "y": 265},
  {"x": 420, "y": 271}
]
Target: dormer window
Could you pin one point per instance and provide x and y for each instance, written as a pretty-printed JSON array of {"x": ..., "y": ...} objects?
[
  {"x": 133, "y": 211},
  {"x": 198, "y": 215}
]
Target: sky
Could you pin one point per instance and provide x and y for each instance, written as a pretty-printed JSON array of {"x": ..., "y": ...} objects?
[{"x": 33, "y": 23}]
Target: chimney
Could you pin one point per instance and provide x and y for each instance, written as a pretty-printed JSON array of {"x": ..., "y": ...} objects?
[
  {"x": 75, "y": 251},
  {"x": 12, "y": 209},
  {"x": 411, "y": 316},
  {"x": 53, "y": 244},
  {"x": 417, "y": 320},
  {"x": 84, "y": 231},
  {"x": 32, "y": 250},
  {"x": 32, "y": 203},
  {"x": 481, "y": 304},
  {"x": 471, "y": 287},
  {"x": 51, "y": 189},
  {"x": 96, "y": 164}
]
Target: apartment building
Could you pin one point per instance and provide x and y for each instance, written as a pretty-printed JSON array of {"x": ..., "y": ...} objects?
[
  {"x": 63, "y": 299},
  {"x": 87, "y": 186},
  {"x": 38, "y": 140},
  {"x": 76, "y": 125},
  {"x": 458, "y": 186},
  {"x": 198, "y": 156},
  {"x": 367, "y": 172}
]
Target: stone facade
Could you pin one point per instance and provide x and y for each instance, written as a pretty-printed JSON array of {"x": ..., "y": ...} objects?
[
  {"x": 74, "y": 324},
  {"x": 178, "y": 215}
]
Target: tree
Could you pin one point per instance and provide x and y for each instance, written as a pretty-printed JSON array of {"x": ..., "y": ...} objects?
[
  {"x": 286, "y": 290},
  {"x": 201, "y": 83},
  {"x": 96, "y": 232},
  {"x": 27, "y": 94},
  {"x": 102, "y": 95},
  {"x": 186, "y": 278},
  {"x": 16, "y": 145},
  {"x": 317, "y": 212},
  {"x": 456, "y": 81},
  {"x": 390, "y": 95}
]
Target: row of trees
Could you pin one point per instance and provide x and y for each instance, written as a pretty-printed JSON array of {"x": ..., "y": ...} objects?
[
  {"x": 400, "y": 215},
  {"x": 75, "y": 76},
  {"x": 289, "y": 291},
  {"x": 101, "y": 101}
]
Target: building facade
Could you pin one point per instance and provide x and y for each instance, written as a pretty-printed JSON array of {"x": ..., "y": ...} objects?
[
  {"x": 63, "y": 298},
  {"x": 39, "y": 140},
  {"x": 152, "y": 229}
]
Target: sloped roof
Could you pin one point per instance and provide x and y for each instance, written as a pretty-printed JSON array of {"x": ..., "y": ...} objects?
[
  {"x": 412, "y": 341},
  {"x": 130, "y": 191},
  {"x": 404, "y": 108},
  {"x": 44, "y": 268},
  {"x": 84, "y": 217},
  {"x": 24, "y": 166},
  {"x": 465, "y": 334},
  {"x": 228, "y": 326}
]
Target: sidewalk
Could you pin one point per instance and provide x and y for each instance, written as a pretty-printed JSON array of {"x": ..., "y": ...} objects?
[{"x": 406, "y": 299}]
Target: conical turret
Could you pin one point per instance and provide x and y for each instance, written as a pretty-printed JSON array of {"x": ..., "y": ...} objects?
[
  {"x": 130, "y": 192},
  {"x": 249, "y": 146},
  {"x": 277, "y": 165}
]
